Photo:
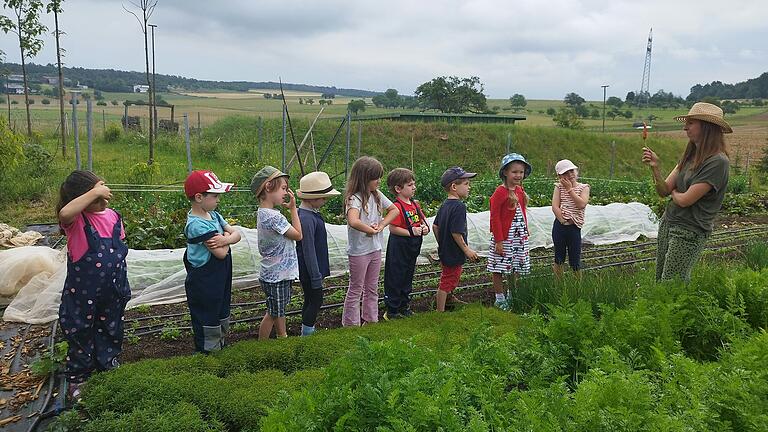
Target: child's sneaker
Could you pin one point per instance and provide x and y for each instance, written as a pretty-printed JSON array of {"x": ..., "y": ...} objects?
[
  {"x": 501, "y": 304},
  {"x": 307, "y": 330},
  {"x": 391, "y": 316},
  {"x": 407, "y": 313},
  {"x": 74, "y": 392}
]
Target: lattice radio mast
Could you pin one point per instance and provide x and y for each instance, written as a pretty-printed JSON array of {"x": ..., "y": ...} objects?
[{"x": 645, "y": 91}]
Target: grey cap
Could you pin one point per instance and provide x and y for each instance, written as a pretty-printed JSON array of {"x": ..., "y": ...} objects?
[
  {"x": 455, "y": 173},
  {"x": 263, "y": 176}
]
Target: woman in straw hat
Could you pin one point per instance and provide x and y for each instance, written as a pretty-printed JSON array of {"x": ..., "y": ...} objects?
[{"x": 697, "y": 187}]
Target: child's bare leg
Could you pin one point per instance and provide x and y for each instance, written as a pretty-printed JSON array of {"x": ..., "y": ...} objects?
[
  {"x": 498, "y": 283},
  {"x": 558, "y": 270},
  {"x": 265, "y": 328},
  {"x": 441, "y": 298},
  {"x": 280, "y": 324},
  {"x": 500, "y": 298}
]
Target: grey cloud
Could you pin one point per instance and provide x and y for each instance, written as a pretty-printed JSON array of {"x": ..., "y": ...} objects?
[{"x": 540, "y": 49}]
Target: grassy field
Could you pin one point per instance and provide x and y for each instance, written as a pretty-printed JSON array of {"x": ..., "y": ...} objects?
[{"x": 213, "y": 106}]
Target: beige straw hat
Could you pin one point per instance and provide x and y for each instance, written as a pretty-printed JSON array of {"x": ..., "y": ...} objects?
[
  {"x": 707, "y": 112},
  {"x": 316, "y": 185}
]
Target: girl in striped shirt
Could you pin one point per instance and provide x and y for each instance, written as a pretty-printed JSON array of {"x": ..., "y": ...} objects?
[{"x": 569, "y": 200}]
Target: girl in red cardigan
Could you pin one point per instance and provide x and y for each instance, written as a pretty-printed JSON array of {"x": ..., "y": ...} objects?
[{"x": 509, "y": 250}]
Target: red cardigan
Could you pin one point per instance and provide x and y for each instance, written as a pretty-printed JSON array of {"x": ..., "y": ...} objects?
[{"x": 501, "y": 214}]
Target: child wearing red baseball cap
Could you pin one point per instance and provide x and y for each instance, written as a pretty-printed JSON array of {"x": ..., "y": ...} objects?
[{"x": 208, "y": 261}]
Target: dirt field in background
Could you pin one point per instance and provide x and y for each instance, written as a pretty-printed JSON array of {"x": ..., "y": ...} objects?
[
  {"x": 251, "y": 94},
  {"x": 745, "y": 144}
]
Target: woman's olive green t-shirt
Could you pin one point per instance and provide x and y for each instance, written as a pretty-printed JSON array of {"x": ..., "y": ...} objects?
[{"x": 700, "y": 216}]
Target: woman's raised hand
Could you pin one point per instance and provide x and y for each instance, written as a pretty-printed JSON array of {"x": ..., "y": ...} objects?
[{"x": 649, "y": 157}]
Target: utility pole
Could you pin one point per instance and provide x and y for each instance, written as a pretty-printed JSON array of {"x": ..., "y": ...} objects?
[
  {"x": 55, "y": 7},
  {"x": 153, "y": 93},
  {"x": 604, "y": 86}
]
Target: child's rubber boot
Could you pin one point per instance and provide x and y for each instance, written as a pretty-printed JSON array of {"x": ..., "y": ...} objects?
[{"x": 307, "y": 330}]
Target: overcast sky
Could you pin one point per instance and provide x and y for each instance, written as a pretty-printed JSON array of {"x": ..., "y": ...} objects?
[{"x": 542, "y": 49}]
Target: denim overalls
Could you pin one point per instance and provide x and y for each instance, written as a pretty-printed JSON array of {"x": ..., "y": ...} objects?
[
  {"x": 400, "y": 263},
  {"x": 95, "y": 293},
  {"x": 209, "y": 295}
]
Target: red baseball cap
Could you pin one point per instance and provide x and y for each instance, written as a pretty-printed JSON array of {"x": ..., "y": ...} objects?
[{"x": 202, "y": 181}]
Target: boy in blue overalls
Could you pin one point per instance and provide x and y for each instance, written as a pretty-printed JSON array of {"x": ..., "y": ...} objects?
[{"x": 208, "y": 261}]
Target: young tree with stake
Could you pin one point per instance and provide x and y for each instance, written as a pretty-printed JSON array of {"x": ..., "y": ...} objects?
[
  {"x": 147, "y": 7},
  {"x": 26, "y": 25}
]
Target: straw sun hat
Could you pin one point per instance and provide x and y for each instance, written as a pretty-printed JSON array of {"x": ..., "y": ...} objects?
[
  {"x": 316, "y": 185},
  {"x": 708, "y": 113}
]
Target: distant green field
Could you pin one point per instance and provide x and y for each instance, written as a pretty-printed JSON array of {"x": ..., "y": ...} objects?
[{"x": 213, "y": 106}]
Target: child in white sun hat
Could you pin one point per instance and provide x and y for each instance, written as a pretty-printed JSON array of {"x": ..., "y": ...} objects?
[{"x": 569, "y": 200}]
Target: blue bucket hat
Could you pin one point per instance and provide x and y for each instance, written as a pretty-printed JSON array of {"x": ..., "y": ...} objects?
[{"x": 515, "y": 157}]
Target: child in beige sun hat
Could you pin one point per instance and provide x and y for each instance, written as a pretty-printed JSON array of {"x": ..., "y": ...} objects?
[{"x": 314, "y": 191}]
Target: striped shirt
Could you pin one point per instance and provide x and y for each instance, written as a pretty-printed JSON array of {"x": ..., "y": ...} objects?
[{"x": 568, "y": 207}]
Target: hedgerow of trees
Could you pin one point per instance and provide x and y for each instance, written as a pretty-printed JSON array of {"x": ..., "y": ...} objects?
[{"x": 755, "y": 88}]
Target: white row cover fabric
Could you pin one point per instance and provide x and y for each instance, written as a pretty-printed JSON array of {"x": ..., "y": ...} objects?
[{"x": 35, "y": 274}]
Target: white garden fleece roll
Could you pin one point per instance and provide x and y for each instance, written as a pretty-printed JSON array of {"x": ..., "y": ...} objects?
[{"x": 32, "y": 277}]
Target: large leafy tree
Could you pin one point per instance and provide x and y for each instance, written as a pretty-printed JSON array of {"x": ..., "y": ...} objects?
[
  {"x": 54, "y": 7},
  {"x": 615, "y": 102},
  {"x": 453, "y": 95},
  {"x": 355, "y": 106},
  {"x": 573, "y": 100},
  {"x": 24, "y": 21},
  {"x": 518, "y": 101},
  {"x": 390, "y": 99}
]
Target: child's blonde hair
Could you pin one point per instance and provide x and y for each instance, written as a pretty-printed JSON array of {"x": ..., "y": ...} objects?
[
  {"x": 270, "y": 186},
  {"x": 364, "y": 170}
]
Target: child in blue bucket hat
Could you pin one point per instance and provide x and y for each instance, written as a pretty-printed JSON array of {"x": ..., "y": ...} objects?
[{"x": 509, "y": 252}]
